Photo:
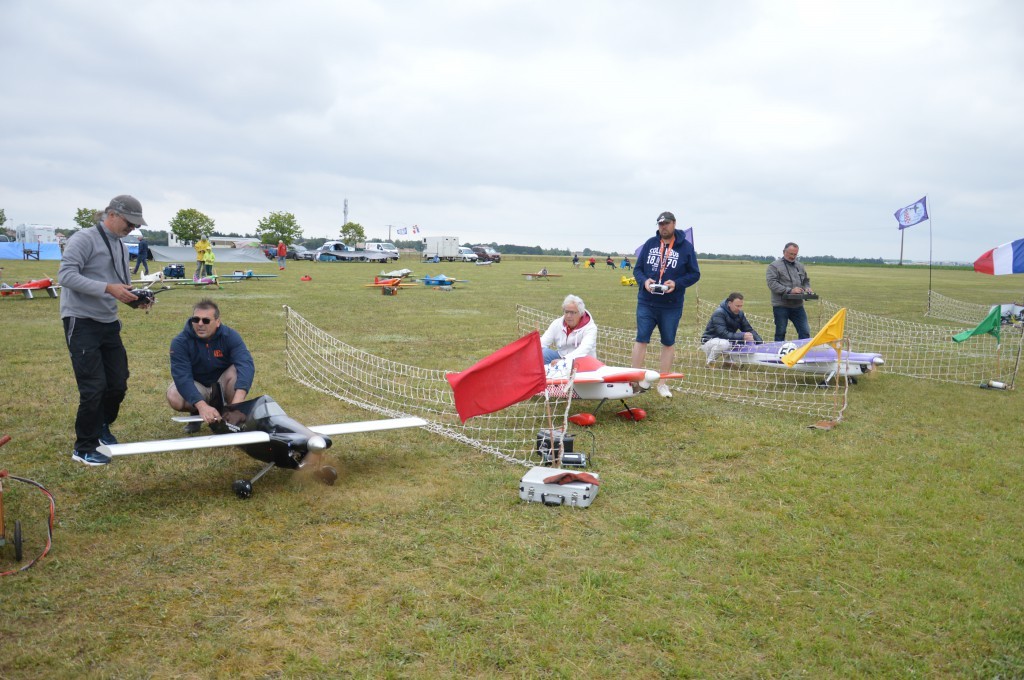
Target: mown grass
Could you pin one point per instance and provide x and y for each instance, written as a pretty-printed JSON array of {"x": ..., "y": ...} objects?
[{"x": 726, "y": 541}]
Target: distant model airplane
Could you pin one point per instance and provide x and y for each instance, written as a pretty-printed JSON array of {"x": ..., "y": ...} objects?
[
  {"x": 596, "y": 381},
  {"x": 396, "y": 274},
  {"x": 441, "y": 280},
  {"x": 262, "y": 429},
  {"x": 393, "y": 282},
  {"x": 247, "y": 274},
  {"x": 820, "y": 360},
  {"x": 628, "y": 281},
  {"x": 26, "y": 289},
  {"x": 542, "y": 274}
]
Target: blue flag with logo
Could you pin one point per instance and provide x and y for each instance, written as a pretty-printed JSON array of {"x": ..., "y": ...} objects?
[{"x": 912, "y": 214}]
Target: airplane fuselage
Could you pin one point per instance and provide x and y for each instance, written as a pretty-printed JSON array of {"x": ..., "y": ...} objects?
[{"x": 290, "y": 441}]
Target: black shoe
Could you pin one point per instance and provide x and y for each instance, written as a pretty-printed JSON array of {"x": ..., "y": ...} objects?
[
  {"x": 90, "y": 457},
  {"x": 105, "y": 436},
  {"x": 192, "y": 428}
]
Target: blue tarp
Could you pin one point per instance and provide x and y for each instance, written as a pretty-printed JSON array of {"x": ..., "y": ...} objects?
[{"x": 16, "y": 251}]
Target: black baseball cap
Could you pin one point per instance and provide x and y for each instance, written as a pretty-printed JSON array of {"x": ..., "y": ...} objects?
[{"x": 666, "y": 217}]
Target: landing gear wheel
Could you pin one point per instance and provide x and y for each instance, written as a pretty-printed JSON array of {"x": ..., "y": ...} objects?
[
  {"x": 327, "y": 474},
  {"x": 242, "y": 488},
  {"x": 17, "y": 541}
]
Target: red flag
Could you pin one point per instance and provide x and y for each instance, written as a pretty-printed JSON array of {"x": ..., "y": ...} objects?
[{"x": 512, "y": 374}]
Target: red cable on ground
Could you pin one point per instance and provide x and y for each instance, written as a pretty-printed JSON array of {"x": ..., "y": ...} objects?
[{"x": 49, "y": 526}]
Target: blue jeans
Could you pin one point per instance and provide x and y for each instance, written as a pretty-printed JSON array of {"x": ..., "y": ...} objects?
[
  {"x": 666, "y": 319},
  {"x": 798, "y": 315},
  {"x": 550, "y": 355}
]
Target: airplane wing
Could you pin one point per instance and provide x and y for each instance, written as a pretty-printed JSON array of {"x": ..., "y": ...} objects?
[
  {"x": 368, "y": 426},
  {"x": 184, "y": 444}
]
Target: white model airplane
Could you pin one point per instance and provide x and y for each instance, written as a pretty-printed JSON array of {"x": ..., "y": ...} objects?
[
  {"x": 596, "y": 381},
  {"x": 262, "y": 429}
]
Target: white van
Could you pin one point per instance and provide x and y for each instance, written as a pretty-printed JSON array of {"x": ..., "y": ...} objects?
[{"x": 388, "y": 249}]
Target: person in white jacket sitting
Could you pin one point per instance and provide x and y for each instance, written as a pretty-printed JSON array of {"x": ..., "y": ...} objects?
[{"x": 572, "y": 335}]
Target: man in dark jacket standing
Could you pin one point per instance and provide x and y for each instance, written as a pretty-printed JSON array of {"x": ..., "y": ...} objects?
[
  {"x": 204, "y": 354},
  {"x": 786, "y": 276},
  {"x": 665, "y": 268},
  {"x": 727, "y": 325},
  {"x": 143, "y": 256},
  {"x": 94, "y": 277}
]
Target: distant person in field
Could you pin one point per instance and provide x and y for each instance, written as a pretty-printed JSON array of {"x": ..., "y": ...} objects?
[
  {"x": 610, "y": 262},
  {"x": 785, "y": 276},
  {"x": 204, "y": 354},
  {"x": 142, "y": 258},
  {"x": 572, "y": 335},
  {"x": 592, "y": 263},
  {"x": 282, "y": 254},
  {"x": 728, "y": 325},
  {"x": 201, "y": 246},
  {"x": 625, "y": 263},
  {"x": 576, "y": 260}
]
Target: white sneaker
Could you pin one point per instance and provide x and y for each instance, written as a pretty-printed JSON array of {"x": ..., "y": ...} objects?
[{"x": 664, "y": 391}]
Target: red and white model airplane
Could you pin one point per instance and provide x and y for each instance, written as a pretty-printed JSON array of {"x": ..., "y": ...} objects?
[
  {"x": 262, "y": 429},
  {"x": 596, "y": 381},
  {"x": 26, "y": 289}
]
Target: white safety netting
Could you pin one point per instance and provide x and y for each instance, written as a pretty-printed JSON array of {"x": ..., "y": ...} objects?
[
  {"x": 950, "y": 309},
  {"x": 927, "y": 351},
  {"x": 396, "y": 390},
  {"x": 777, "y": 388}
]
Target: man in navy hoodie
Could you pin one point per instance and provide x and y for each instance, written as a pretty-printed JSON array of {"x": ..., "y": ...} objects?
[
  {"x": 727, "y": 325},
  {"x": 204, "y": 354},
  {"x": 665, "y": 268}
]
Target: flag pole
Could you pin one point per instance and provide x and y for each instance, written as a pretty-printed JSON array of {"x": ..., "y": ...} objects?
[
  {"x": 929, "y": 259},
  {"x": 902, "y": 234}
]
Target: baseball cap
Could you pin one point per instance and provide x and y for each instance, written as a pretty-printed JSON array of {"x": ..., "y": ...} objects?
[
  {"x": 128, "y": 207},
  {"x": 666, "y": 217}
]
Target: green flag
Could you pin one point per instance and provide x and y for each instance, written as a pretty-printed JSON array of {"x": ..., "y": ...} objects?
[{"x": 990, "y": 325}]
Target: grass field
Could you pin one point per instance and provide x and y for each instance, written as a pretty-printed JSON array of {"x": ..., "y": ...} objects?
[{"x": 727, "y": 541}]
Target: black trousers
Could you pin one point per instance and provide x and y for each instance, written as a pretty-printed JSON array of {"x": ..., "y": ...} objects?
[{"x": 100, "y": 362}]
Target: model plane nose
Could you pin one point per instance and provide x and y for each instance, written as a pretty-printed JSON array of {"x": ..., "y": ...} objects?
[
  {"x": 877, "y": 361},
  {"x": 316, "y": 443}
]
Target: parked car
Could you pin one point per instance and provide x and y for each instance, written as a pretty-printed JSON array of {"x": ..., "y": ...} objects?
[
  {"x": 388, "y": 249},
  {"x": 336, "y": 251},
  {"x": 467, "y": 254},
  {"x": 298, "y": 252},
  {"x": 270, "y": 250},
  {"x": 487, "y": 254}
]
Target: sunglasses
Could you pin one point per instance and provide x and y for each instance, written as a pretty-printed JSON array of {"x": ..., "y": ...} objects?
[{"x": 199, "y": 319}]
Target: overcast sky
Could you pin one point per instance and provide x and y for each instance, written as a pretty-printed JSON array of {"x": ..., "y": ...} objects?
[{"x": 560, "y": 123}]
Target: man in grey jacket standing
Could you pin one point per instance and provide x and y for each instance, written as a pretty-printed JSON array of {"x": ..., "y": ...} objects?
[
  {"x": 786, "y": 276},
  {"x": 94, "y": 277}
]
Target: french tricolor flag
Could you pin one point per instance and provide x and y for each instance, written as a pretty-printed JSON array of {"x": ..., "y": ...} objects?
[{"x": 1006, "y": 259}]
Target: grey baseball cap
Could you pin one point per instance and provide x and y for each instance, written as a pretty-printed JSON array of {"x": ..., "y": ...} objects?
[
  {"x": 127, "y": 207},
  {"x": 666, "y": 217}
]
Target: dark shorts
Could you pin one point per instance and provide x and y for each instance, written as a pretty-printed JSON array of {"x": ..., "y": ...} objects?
[{"x": 665, "y": 319}]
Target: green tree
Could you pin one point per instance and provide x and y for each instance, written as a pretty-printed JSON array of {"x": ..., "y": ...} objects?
[
  {"x": 352, "y": 233},
  {"x": 3, "y": 218},
  {"x": 279, "y": 226},
  {"x": 190, "y": 224},
  {"x": 86, "y": 217}
]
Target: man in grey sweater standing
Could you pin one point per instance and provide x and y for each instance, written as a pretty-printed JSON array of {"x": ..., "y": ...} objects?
[
  {"x": 786, "y": 276},
  {"x": 94, "y": 277}
]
